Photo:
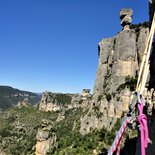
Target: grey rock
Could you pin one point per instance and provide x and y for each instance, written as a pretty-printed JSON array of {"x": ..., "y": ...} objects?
[
  {"x": 141, "y": 42},
  {"x": 106, "y": 50},
  {"x": 125, "y": 46},
  {"x": 46, "y": 138},
  {"x": 49, "y": 102},
  {"x": 42, "y": 135},
  {"x": 57, "y": 102},
  {"x": 24, "y": 103},
  {"x": 2, "y": 153},
  {"x": 119, "y": 58},
  {"x": 126, "y": 18},
  {"x": 91, "y": 122}
]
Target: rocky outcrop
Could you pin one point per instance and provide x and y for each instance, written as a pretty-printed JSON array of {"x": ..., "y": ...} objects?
[
  {"x": 56, "y": 101},
  {"x": 24, "y": 103},
  {"x": 126, "y": 18},
  {"x": 2, "y": 153},
  {"x": 46, "y": 139},
  {"x": 119, "y": 60},
  {"x": 49, "y": 102}
]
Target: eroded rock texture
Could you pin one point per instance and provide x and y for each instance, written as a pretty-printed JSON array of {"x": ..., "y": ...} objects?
[
  {"x": 58, "y": 101},
  {"x": 46, "y": 138},
  {"x": 119, "y": 61}
]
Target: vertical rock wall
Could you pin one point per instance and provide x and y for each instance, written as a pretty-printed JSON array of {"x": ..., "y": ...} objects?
[
  {"x": 152, "y": 67},
  {"x": 118, "y": 66},
  {"x": 119, "y": 60}
]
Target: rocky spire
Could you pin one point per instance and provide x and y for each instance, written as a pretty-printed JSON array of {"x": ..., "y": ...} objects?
[
  {"x": 126, "y": 18},
  {"x": 46, "y": 138}
]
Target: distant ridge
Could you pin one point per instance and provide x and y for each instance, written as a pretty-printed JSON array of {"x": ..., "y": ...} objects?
[{"x": 9, "y": 97}]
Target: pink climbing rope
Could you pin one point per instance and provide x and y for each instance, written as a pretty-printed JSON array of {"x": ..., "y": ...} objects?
[
  {"x": 119, "y": 145},
  {"x": 117, "y": 142},
  {"x": 142, "y": 119}
]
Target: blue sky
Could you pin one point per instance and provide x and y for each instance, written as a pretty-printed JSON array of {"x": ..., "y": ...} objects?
[{"x": 52, "y": 44}]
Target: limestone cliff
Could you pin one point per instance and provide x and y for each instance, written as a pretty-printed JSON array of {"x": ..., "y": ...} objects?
[
  {"x": 118, "y": 67},
  {"x": 49, "y": 102},
  {"x": 119, "y": 61},
  {"x": 58, "y": 101}
]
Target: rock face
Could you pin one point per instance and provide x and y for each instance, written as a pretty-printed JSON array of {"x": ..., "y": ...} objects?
[
  {"x": 126, "y": 18},
  {"x": 56, "y": 102},
  {"x": 119, "y": 60},
  {"x": 2, "y": 153},
  {"x": 24, "y": 103},
  {"x": 46, "y": 139},
  {"x": 49, "y": 102}
]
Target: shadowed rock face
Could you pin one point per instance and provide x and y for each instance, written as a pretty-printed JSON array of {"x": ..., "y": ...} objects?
[
  {"x": 151, "y": 94},
  {"x": 152, "y": 67},
  {"x": 151, "y": 8}
]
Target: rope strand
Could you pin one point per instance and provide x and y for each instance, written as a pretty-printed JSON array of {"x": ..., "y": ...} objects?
[
  {"x": 142, "y": 119},
  {"x": 118, "y": 138}
]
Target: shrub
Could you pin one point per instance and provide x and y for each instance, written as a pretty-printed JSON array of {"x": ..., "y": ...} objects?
[
  {"x": 130, "y": 83},
  {"x": 108, "y": 97},
  {"x": 63, "y": 98}
]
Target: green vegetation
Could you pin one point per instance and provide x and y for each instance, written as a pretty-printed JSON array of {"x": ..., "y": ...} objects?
[
  {"x": 75, "y": 143},
  {"x": 136, "y": 27},
  {"x": 108, "y": 97},
  {"x": 108, "y": 74},
  {"x": 19, "y": 127},
  {"x": 22, "y": 139},
  {"x": 4, "y": 103},
  {"x": 63, "y": 99},
  {"x": 8, "y": 91},
  {"x": 130, "y": 83},
  {"x": 99, "y": 98}
]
